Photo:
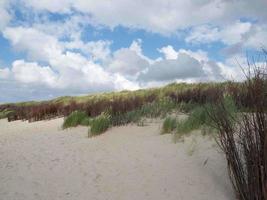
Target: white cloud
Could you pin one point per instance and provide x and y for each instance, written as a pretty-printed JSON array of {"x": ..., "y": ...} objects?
[
  {"x": 183, "y": 67},
  {"x": 203, "y": 34},
  {"x": 70, "y": 26},
  {"x": 121, "y": 83},
  {"x": 237, "y": 36},
  {"x": 4, "y": 73},
  {"x": 30, "y": 73},
  {"x": 5, "y": 17},
  {"x": 158, "y": 16},
  {"x": 38, "y": 45},
  {"x": 210, "y": 68},
  {"x": 129, "y": 61},
  {"x": 66, "y": 70},
  {"x": 61, "y": 6},
  {"x": 229, "y": 34},
  {"x": 97, "y": 50},
  {"x": 169, "y": 52},
  {"x": 136, "y": 46},
  {"x": 257, "y": 37},
  {"x": 235, "y": 32}
]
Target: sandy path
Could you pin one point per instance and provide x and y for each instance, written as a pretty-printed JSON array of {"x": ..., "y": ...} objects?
[{"x": 41, "y": 161}]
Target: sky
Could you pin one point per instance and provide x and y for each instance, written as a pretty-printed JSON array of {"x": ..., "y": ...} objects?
[{"x": 53, "y": 48}]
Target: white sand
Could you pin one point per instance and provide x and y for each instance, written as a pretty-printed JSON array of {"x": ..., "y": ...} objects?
[{"x": 41, "y": 161}]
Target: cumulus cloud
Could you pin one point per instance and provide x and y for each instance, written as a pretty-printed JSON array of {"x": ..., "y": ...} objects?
[
  {"x": 66, "y": 69},
  {"x": 210, "y": 69},
  {"x": 38, "y": 45},
  {"x": 32, "y": 73},
  {"x": 168, "y": 52},
  {"x": 182, "y": 67},
  {"x": 129, "y": 61}
]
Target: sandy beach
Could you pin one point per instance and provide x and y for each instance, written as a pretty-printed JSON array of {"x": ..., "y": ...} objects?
[{"x": 41, "y": 161}]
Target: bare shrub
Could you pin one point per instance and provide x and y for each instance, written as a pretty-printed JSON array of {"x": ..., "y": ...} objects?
[{"x": 244, "y": 140}]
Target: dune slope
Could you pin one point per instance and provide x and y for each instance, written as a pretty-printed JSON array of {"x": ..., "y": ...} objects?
[{"x": 41, "y": 161}]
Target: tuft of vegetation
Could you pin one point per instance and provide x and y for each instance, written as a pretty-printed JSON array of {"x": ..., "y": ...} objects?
[
  {"x": 197, "y": 117},
  {"x": 201, "y": 117},
  {"x": 5, "y": 113},
  {"x": 169, "y": 125},
  {"x": 150, "y": 110},
  {"x": 76, "y": 118},
  {"x": 151, "y": 102},
  {"x": 99, "y": 125}
]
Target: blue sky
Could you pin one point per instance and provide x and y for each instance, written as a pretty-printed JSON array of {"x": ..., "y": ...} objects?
[{"x": 66, "y": 47}]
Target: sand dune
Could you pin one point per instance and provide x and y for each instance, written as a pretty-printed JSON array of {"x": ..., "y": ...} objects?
[{"x": 41, "y": 161}]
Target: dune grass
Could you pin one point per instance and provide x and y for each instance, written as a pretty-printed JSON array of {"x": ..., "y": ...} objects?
[
  {"x": 154, "y": 109},
  {"x": 195, "y": 120},
  {"x": 122, "y": 102},
  {"x": 201, "y": 117},
  {"x": 169, "y": 125},
  {"x": 5, "y": 113},
  {"x": 76, "y": 118},
  {"x": 99, "y": 125}
]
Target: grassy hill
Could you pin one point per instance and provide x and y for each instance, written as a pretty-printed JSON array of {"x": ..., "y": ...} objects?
[{"x": 96, "y": 103}]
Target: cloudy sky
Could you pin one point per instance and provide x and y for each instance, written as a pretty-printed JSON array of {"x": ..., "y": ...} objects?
[{"x": 51, "y": 48}]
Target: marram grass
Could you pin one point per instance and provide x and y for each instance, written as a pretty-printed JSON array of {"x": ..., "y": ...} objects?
[
  {"x": 76, "y": 118},
  {"x": 169, "y": 125},
  {"x": 99, "y": 125}
]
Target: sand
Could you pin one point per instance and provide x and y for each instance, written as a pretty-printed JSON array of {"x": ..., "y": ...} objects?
[{"x": 41, "y": 161}]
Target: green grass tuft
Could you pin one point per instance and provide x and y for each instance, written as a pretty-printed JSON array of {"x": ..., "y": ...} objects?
[
  {"x": 169, "y": 125},
  {"x": 99, "y": 125},
  {"x": 76, "y": 118},
  {"x": 5, "y": 113},
  {"x": 154, "y": 109},
  {"x": 199, "y": 118}
]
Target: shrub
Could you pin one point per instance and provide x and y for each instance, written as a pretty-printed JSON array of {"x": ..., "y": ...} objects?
[
  {"x": 76, "y": 118},
  {"x": 99, "y": 125},
  {"x": 169, "y": 125},
  {"x": 245, "y": 141}
]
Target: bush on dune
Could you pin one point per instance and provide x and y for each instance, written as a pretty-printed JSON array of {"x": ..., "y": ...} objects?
[
  {"x": 244, "y": 142},
  {"x": 76, "y": 118}
]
